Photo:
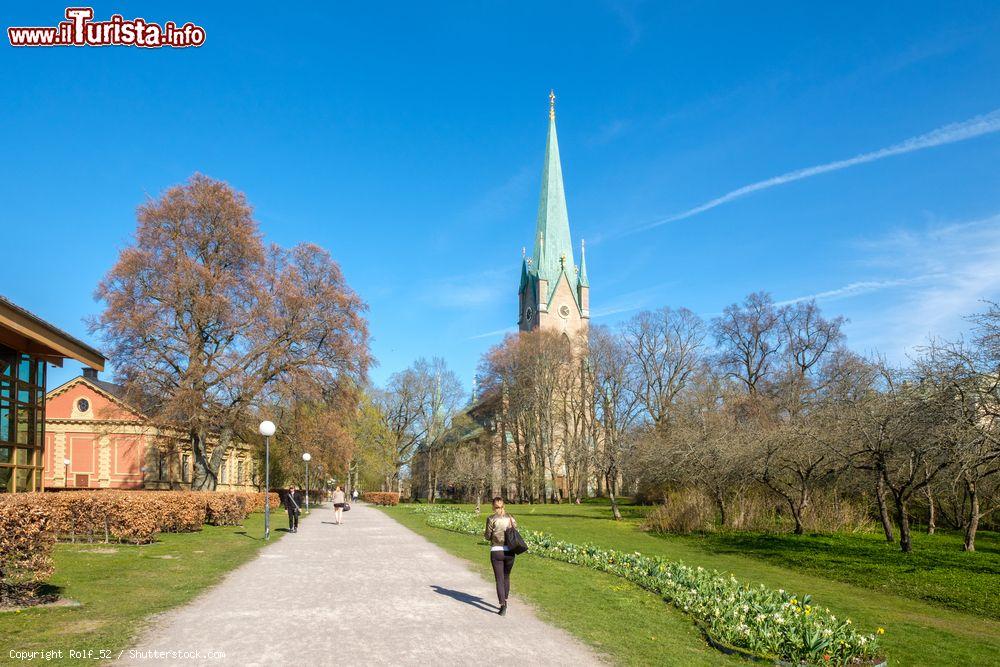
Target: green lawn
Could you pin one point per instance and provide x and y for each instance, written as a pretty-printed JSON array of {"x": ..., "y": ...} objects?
[
  {"x": 119, "y": 586},
  {"x": 937, "y": 570},
  {"x": 617, "y": 618},
  {"x": 884, "y": 592}
]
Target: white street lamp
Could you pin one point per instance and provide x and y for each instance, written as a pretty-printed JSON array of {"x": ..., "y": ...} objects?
[
  {"x": 267, "y": 429},
  {"x": 307, "y": 457},
  {"x": 66, "y": 463}
]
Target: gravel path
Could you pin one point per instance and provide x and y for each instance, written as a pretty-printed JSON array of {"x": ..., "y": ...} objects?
[{"x": 367, "y": 592}]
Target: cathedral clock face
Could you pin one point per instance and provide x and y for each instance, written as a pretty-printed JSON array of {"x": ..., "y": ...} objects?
[{"x": 564, "y": 311}]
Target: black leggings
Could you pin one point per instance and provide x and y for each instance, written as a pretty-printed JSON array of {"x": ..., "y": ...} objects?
[{"x": 503, "y": 563}]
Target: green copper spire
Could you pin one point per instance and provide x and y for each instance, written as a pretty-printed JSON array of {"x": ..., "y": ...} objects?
[
  {"x": 552, "y": 240},
  {"x": 583, "y": 264}
]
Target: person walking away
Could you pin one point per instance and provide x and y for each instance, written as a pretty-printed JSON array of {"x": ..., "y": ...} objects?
[
  {"x": 354, "y": 495},
  {"x": 339, "y": 499},
  {"x": 293, "y": 503},
  {"x": 501, "y": 558}
]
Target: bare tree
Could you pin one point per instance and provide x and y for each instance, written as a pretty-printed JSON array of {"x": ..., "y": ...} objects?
[
  {"x": 666, "y": 349},
  {"x": 402, "y": 405},
  {"x": 813, "y": 346},
  {"x": 796, "y": 458},
  {"x": 971, "y": 421},
  {"x": 443, "y": 394},
  {"x": 749, "y": 337},
  {"x": 616, "y": 391},
  {"x": 896, "y": 426}
]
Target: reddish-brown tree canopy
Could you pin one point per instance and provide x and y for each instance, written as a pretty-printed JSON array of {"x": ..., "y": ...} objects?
[{"x": 207, "y": 320}]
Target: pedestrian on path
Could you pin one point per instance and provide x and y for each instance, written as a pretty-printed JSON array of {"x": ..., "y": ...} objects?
[
  {"x": 501, "y": 558},
  {"x": 293, "y": 503},
  {"x": 339, "y": 500},
  {"x": 354, "y": 495}
]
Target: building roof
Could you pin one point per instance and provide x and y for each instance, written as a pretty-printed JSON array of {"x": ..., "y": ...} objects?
[
  {"x": 114, "y": 392},
  {"x": 25, "y": 331},
  {"x": 553, "y": 244}
]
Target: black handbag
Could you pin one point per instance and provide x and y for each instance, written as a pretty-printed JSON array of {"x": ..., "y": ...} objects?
[
  {"x": 513, "y": 540},
  {"x": 347, "y": 507}
]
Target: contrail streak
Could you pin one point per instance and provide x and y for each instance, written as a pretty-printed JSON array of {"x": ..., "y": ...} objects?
[{"x": 948, "y": 134}]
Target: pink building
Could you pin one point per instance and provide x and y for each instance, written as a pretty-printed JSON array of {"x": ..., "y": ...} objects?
[{"x": 94, "y": 439}]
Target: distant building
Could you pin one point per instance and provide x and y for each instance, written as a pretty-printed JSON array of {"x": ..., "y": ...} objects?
[
  {"x": 27, "y": 344},
  {"x": 95, "y": 439}
]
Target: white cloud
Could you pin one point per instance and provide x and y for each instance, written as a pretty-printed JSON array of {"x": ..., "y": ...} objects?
[
  {"x": 492, "y": 334},
  {"x": 473, "y": 290},
  {"x": 947, "y": 134},
  {"x": 955, "y": 267},
  {"x": 856, "y": 289},
  {"x": 638, "y": 299}
]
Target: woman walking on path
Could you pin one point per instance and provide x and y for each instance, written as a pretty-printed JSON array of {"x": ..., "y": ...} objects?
[
  {"x": 501, "y": 558},
  {"x": 338, "y": 504}
]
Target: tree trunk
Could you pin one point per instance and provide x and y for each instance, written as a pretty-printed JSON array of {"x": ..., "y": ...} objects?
[
  {"x": 615, "y": 512},
  {"x": 797, "y": 516},
  {"x": 931, "y": 510},
  {"x": 883, "y": 510},
  {"x": 903, "y": 518},
  {"x": 204, "y": 477},
  {"x": 720, "y": 502},
  {"x": 973, "y": 525},
  {"x": 430, "y": 484}
]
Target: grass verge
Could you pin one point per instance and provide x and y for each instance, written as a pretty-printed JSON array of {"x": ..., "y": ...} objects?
[
  {"x": 119, "y": 586},
  {"x": 620, "y": 620},
  {"x": 919, "y": 633}
]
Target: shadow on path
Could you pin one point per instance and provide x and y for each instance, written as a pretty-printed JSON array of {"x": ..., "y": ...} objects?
[{"x": 467, "y": 598}]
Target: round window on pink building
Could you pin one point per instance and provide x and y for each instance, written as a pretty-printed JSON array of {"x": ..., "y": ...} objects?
[{"x": 83, "y": 405}]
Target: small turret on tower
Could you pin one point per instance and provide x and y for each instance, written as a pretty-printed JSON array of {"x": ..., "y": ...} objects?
[{"x": 583, "y": 284}]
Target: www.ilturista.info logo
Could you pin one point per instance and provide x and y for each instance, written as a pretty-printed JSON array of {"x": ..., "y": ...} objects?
[{"x": 81, "y": 30}]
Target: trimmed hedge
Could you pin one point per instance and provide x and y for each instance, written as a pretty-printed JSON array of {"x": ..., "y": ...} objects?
[
  {"x": 226, "y": 509},
  {"x": 380, "y": 497},
  {"x": 182, "y": 511},
  {"x": 102, "y": 516},
  {"x": 25, "y": 542},
  {"x": 30, "y": 523}
]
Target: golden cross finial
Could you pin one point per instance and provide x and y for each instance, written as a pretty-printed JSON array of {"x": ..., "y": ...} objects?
[{"x": 552, "y": 104}]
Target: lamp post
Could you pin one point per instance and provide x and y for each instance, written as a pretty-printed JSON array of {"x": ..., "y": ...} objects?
[
  {"x": 66, "y": 463},
  {"x": 267, "y": 430},
  {"x": 307, "y": 457}
]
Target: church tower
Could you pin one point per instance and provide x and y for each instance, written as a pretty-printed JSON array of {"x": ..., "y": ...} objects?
[{"x": 554, "y": 294}]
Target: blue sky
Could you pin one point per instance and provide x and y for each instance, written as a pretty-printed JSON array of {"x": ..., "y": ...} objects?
[{"x": 408, "y": 139}]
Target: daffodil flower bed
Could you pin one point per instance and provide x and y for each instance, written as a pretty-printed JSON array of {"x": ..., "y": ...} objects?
[{"x": 753, "y": 620}]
